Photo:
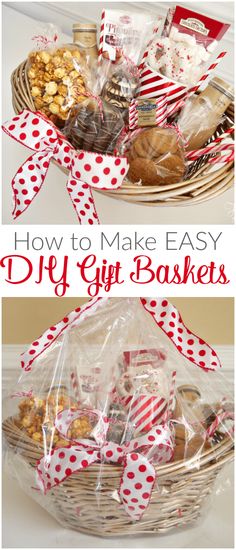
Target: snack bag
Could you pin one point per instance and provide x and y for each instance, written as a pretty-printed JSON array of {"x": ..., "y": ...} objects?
[
  {"x": 124, "y": 34},
  {"x": 121, "y": 86},
  {"x": 181, "y": 55},
  {"x": 156, "y": 156},
  {"x": 94, "y": 125},
  {"x": 114, "y": 403},
  {"x": 174, "y": 64},
  {"x": 58, "y": 78},
  {"x": 122, "y": 39}
]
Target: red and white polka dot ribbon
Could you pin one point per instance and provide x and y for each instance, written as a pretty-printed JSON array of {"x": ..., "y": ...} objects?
[
  {"x": 186, "y": 342},
  {"x": 86, "y": 169},
  {"x": 138, "y": 475},
  {"x": 164, "y": 314}
]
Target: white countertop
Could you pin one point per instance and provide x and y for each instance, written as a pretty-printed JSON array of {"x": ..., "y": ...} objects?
[{"x": 27, "y": 525}]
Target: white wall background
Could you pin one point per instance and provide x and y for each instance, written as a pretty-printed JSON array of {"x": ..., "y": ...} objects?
[
  {"x": 11, "y": 364},
  {"x": 21, "y": 20}
]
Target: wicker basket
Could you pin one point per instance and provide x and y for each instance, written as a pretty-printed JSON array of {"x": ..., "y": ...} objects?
[
  {"x": 176, "y": 501},
  {"x": 201, "y": 183}
]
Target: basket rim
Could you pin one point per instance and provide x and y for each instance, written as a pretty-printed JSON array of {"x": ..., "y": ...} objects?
[{"x": 212, "y": 458}]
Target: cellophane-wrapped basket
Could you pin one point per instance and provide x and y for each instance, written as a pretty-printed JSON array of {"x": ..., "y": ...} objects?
[{"x": 121, "y": 420}]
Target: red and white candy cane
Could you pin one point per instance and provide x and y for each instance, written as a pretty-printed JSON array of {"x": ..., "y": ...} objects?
[
  {"x": 163, "y": 313},
  {"x": 208, "y": 72},
  {"x": 100, "y": 50},
  {"x": 133, "y": 114},
  {"x": 210, "y": 149},
  {"x": 225, "y": 158},
  {"x": 220, "y": 418},
  {"x": 199, "y": 152},
  {"x": 87, "y": 170},
  {"x": 138, "y": 476}
]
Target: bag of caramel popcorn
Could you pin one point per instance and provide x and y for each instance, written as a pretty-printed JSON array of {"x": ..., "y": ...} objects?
[
  {"x": 116, "y": 389},
  {"x": 58, "y": 77}
]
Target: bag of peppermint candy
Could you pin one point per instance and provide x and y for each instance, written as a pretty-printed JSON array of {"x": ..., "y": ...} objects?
[{"x": 175, "y": 62}]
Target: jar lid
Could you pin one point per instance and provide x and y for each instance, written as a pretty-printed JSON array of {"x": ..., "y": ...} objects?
[
  {"x": 222, "y": 86},
  {"x": 189, "y": 388},
  {"x": 86, "y": 27}
]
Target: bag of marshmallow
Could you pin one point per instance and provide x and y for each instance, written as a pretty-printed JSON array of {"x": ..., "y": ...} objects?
[{"x": 180, "y": 53}]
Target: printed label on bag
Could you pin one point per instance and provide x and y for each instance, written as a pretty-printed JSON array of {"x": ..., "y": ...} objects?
[
  {"x": 146, "y": 110},
  {"x": 194, "y": 24}
]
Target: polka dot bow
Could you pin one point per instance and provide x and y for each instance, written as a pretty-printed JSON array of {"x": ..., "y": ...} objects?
[
  {"x": 86, "y": 169},
  {"x": 138, "y": 476},
  {"x": 163, "y": 313}
]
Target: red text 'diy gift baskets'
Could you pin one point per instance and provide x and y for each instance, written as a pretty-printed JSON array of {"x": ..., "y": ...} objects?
[{"x": 120, "y": 414}]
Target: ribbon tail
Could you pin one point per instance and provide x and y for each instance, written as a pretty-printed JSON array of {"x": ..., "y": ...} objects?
[
  {"x": 82, "y": 199},
  {"x": 54, "y": 468},
  {"x": 136, "y": 485},
  {"x": 168, "y": 318},
  {"x": 28, "y": 181}
]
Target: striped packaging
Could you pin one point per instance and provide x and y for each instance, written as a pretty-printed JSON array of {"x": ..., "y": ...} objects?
[
  {"x": 160, "y": 116},
  {"x": 154, "y": 84},
  {"x": 145, "y": 411}
]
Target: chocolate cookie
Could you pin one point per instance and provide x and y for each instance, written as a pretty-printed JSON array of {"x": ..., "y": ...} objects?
[
  {"x": 117, "y": 101},
  {"x": 93, "y": 125},
  {"x": 120, "y": 89},
  {"x": 128, "y": 85},
  {"x": 114, "y": 90},
  {"x": 93, "y": 129}
]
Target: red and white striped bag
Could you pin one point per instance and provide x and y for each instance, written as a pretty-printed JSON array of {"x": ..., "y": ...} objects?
[{"x": 154, "y": 84}]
